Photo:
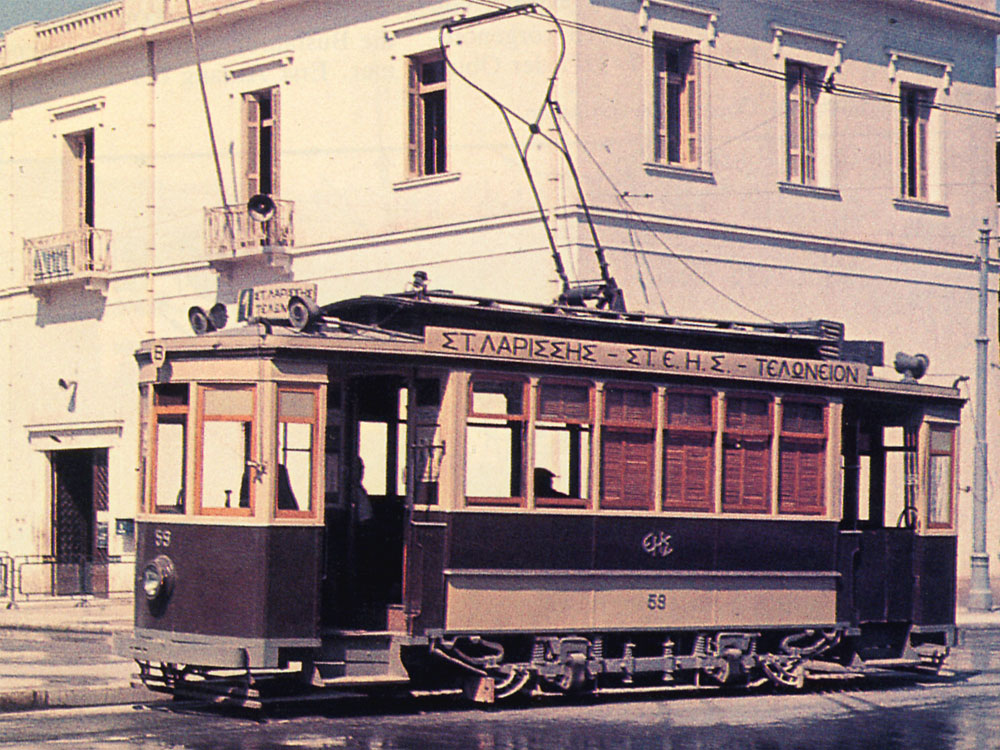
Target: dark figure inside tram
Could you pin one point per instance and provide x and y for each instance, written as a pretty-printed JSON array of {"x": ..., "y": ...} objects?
[{"x": 543, "y": 484}]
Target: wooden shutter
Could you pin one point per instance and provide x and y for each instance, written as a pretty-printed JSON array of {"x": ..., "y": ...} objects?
[
  {"x": 802, "y": 459},
  {"x": 251, "y": 144},
  {"x": 691, "y": 105},
  {"x": 746, "y": 455},
  {"x": 660, "y": 103},
  {"x": 564, "y": 402},
  {"x": 627, "y": 469},
  {"x": 414, "y": 128},
  {"x": 689, "y": 452},
  {"x": 794, "y": 119},
  {"x": 922, "y": 116},
  {"x": 275, "y": 141}
]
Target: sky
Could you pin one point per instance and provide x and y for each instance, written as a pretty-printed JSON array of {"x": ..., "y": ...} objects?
[{"x": 15, "y": 12}]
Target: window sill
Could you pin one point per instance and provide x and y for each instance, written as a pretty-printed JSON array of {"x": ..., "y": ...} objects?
[
  {"x": 809, "y": 191},
  {"x": 692, "y": 174},
  {"x": 921, "y": 207},
  {"x": 434, "y": 179}
]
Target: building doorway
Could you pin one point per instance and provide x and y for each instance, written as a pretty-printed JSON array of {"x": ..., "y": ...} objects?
[{"x": 80, "y": 521}]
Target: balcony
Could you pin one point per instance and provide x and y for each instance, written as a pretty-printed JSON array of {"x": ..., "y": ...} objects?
[
  {"x": 81, "y": 256},
  {"x": 232, "y": 234}
]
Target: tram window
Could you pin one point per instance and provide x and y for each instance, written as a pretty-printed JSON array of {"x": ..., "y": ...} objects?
[
  {"x": 802, "y": 460},
  {"x": 169, "y": 448},
  {"x": 562, "y": 444},
  {"x": 226, "y": 454},
  {"x": 627, "y": 443},
  {"x": 689, "y": 452},
  {"x": 941, "y": 477},
  {"x": 296, "y": 442},
  {"x": 746, "y": 455},
  {"x": 495, "y": 432},
  {"x": 899, "y": 447}
]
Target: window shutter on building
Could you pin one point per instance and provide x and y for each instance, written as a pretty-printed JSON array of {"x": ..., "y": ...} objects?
[
  {"x": 251, "y": 119},
  {"x": 691, "y": 93},
  {"x": 275, "y": 140},
  {"x": 414, "y": 123}
]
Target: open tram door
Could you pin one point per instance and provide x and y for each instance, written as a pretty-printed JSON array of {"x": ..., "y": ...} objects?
[
  {"x": 373, "y": 423},
  {"x": 897, "y": 539}
]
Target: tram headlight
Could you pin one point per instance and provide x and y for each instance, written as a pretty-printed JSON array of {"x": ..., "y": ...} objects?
[{"x": 158, "y": 578}]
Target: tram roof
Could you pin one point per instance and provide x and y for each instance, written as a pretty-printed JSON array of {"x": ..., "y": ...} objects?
[{"x": 412, "y": 312}]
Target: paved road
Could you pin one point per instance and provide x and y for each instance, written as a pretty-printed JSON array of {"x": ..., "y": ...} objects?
[{"x": 959, "y": 712}]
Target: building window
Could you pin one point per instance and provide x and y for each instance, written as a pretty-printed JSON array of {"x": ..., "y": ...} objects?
[
  {"x": 802, "y": 463},
  {"x": 223, "y": 471},
  {"x": 627, "y": 454},
  {"x": 427, "y": 116},
  {"x": 260, "y": 141},
  {"x": 78, "y": 196},
  {"x": 298, "y": 458},
  {"x": 675, "y": 103},
  {"x": 915, "y": 108},
  {"x": 941, "y": 477},
  {"x": 494, "y": 473},
  {"x": 802, "y": 85},
  {"x": 168, "y": 448},
  {"x": 689, "y": 452},
  {"x": 562, "y": 444},
  {"x": 746, "y": 455}
]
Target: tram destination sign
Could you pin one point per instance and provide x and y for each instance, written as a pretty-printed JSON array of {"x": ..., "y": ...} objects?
[{"x": 498, "y": 345}]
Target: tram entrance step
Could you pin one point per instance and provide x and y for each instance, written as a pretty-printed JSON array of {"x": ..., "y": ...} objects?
[{"x": 358, "y": 655}]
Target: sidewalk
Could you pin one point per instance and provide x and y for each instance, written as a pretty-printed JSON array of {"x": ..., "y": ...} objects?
[{"x": 57, "y": 653}]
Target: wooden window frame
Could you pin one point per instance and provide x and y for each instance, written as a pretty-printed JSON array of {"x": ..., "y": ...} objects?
[
  {"x": 737, "y": 433},
  {"x": 253, "y": 127},
  {"x": 915, "y": 103},
  {"x": 802, "y": 91},
  {"x": 199, "y": 467},
  {"x": 814, "y": 438},
  {"x": 676, "y": 136},
  {"x": 317, "y": 452},
  {"x": 952, "y": 480},
  {"x": 629, "y": 426},
  {"x": 427, "y": 154},
  {"x": 175, "y": 411},
  {"x": 523, "y": 417},
  {"x": 79, "y": 182},
  {"x": 711, "y": 430},
  {"x": 566, "y": 502}
]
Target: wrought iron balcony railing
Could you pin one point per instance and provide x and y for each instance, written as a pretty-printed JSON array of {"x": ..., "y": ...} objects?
[
  {"x": 83, "y": 254},
  {"x": 231, "y": 232}
]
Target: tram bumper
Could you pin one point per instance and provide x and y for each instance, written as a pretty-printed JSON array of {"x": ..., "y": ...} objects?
[{"x": 221, "y": 652}]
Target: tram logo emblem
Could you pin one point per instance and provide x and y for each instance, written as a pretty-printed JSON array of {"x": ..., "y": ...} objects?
[{"x": 657, "y": 544}]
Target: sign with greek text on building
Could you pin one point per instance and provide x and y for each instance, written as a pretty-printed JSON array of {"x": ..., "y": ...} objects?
[{"x": 602, "y": 354}]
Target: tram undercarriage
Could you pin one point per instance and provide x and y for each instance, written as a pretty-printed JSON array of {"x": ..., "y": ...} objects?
[{"x": 502, "y": 667}]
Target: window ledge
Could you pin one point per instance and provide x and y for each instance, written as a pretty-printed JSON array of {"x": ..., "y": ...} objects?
[
  {"x": 692, "y": 174},
  {"x": 809, "y": 191},
  {"x": 434, "y": 179},
  {"x": 921, "y": 207}
]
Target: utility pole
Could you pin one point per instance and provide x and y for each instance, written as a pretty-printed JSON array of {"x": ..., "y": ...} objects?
[{"x": 980, "y": 594}]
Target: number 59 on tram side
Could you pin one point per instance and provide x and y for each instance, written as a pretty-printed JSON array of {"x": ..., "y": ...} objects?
[{"x": 432, "y": 491}]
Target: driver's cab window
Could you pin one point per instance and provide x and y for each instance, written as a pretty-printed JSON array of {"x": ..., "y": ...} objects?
[
  {"x": 297, "y": 441},
  {"x": 225, "y": 476}
]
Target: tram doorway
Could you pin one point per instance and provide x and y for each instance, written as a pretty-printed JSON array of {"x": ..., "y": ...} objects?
[
  {"x": 880, "y": 507},
  {"x": 80, "y": 521}
]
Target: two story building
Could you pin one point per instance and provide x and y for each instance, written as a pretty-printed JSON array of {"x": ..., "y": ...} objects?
[{"x": 765, "y": 160}]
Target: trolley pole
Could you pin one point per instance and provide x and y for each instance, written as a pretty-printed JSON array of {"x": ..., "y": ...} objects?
[{"x": 980, "y": 594}]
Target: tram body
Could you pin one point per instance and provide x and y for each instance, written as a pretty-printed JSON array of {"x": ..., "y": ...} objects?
[{"x": 552, "y": 498}]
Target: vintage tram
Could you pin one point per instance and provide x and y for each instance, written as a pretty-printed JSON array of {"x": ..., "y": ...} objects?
[{"x": 431, "y": 490}]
